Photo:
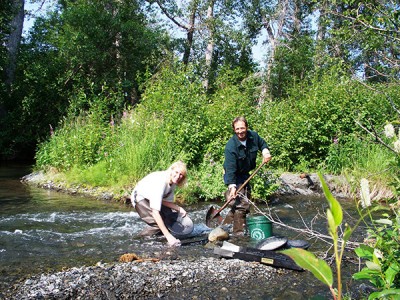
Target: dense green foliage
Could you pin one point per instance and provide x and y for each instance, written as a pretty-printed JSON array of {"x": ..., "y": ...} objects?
[
  {"x": 83, "y": 47},
  {"x": 175, "y": 120},
  {"x": 5, "y": 18},
  {"x": 184, "y": 122},
  {"x": 317, "y": 117}
]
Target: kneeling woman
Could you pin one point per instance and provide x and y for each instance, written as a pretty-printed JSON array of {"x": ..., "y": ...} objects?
[{"x": 153, "y": 199}]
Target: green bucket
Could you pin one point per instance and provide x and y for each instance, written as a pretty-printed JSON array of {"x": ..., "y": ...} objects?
[{"x": 260, "y": 227}]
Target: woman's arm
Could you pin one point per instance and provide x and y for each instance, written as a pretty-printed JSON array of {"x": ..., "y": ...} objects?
[
  {"x": 172, "y": 241},
  {"x": 175, "y": 207}
]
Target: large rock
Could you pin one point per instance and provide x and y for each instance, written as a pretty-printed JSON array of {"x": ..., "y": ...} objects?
[
  {"x": 309, "y": 184},
  {"x": 218, "y": 234}
]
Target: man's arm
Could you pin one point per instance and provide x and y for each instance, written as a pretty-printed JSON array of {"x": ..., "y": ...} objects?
[{"x": 266, "y": 155}]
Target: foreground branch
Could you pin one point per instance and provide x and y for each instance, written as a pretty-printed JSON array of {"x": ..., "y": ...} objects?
[{"x": 307, "y": 230}]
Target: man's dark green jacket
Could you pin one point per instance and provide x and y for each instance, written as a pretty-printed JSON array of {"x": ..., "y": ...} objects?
[{"x": 240, "y": 160}]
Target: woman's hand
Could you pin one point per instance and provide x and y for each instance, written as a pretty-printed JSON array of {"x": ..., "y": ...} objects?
[
  {"x": 182, "y": 211},
  {"x": 173, "y": 242}
]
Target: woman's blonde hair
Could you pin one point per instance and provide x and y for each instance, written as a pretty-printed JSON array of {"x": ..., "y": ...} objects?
[{"x": 182, "y": 167}]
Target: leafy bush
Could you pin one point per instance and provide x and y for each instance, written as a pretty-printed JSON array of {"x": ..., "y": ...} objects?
[
  {"x": 197, "y": 123},
  {"x": 206, "y": 182},
  {"x": 264, "y": 184},
  {"x": 303, "y": 129},
  {"x": 78, "y": 142},
  {"x": 175, "y": 120},
  {"x": 381, "y": 250}
]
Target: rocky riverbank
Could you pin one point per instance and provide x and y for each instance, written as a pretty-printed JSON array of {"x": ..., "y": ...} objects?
[
  {"x": 291, "y": 184},
  {"x": 167, "y": 279}
]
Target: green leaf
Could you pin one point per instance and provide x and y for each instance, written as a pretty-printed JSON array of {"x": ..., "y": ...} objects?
[
  {"x": 365, "y": 273},
  {"x": 373, "y": 266},
  {"x": 347, "y": 233},
  {"x": 333, "y": 203},
  {"x": 391, "y": 273},
  {"x": 364, "y": 251},
  {"x": 384, "y": 221},
  {"x": 383, "y": 294},
  {"x": 377, "y": 256},
  {"x": 331, "y": 223},
  {"x": 307, "y": 260}
]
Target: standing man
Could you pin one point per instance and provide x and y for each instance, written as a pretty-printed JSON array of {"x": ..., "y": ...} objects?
[
  {"x": 153, "y": 198},
  {"x": 240, "y": 158}
]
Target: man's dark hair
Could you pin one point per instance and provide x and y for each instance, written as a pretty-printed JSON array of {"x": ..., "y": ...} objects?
[{"x": 237, "y": 119}]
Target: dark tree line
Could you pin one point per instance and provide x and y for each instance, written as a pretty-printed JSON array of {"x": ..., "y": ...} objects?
[{"x": 114, "y": 46}]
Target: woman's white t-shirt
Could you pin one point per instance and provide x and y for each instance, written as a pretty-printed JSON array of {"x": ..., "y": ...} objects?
[{"x": 156, "y": 188}]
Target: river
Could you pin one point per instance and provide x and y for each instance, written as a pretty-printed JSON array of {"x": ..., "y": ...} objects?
[{"x": 43, "y": 231}]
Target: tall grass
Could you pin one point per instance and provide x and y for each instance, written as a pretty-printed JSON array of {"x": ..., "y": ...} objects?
[
  {"x": 356, "y": 159},
  {"x": 134, "y": 148},
  {"x": 88, "y": 151},
  {"x": 78, "y": 142}
]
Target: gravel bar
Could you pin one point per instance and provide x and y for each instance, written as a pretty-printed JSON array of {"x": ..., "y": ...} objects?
[{"x": 206, "y": 277}]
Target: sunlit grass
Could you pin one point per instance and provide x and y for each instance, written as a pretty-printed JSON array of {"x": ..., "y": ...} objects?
[
  {"x": 374, "y": 163},
  {"x": 132, "y": 150}
]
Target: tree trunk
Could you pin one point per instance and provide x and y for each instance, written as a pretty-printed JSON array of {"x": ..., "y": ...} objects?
[
  {"x": 273, "y": 39},
  {"x": 189, "y": 27},
  {"x": 210, "y": 45},
  {"x": 13, "y": 41},
  {"x": 320, "y": 37},
  {"x": 190, "y": 32},
  {"x": 297, "y": 17}
]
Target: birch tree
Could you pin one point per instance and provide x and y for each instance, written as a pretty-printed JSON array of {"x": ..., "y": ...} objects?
[
  {"x": 214, "y": 34},
  {"x": 14, "y": 39},
  {"x": 184, "y": 16},
  {"x": 282, "y": 22}
]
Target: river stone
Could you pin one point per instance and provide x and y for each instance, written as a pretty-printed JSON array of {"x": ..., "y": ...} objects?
[{"x": 218, "y": 234}]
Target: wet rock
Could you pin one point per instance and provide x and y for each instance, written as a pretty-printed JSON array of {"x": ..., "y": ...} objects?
[
  {"x": 310, "y": 185},
  {"x": 218, "y": 234}
]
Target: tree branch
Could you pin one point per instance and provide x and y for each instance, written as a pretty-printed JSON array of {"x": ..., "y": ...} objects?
[
  {"x": 375, "y": 135},
  {"x": 308, "y": 230},
  {"x": 169, "y": 16}
]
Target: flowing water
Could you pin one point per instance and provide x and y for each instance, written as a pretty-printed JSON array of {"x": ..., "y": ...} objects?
[{"x": 42, "y": 231}]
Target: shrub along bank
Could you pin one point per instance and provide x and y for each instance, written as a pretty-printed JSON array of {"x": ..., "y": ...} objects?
[{"x": 315, "y": 128}]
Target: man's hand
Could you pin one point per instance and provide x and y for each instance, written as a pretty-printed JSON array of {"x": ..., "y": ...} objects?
[
  {"x": 232, "y": 193},
  {"x": 267, "y": 158},
  {"x": 266, "y": 155}
]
